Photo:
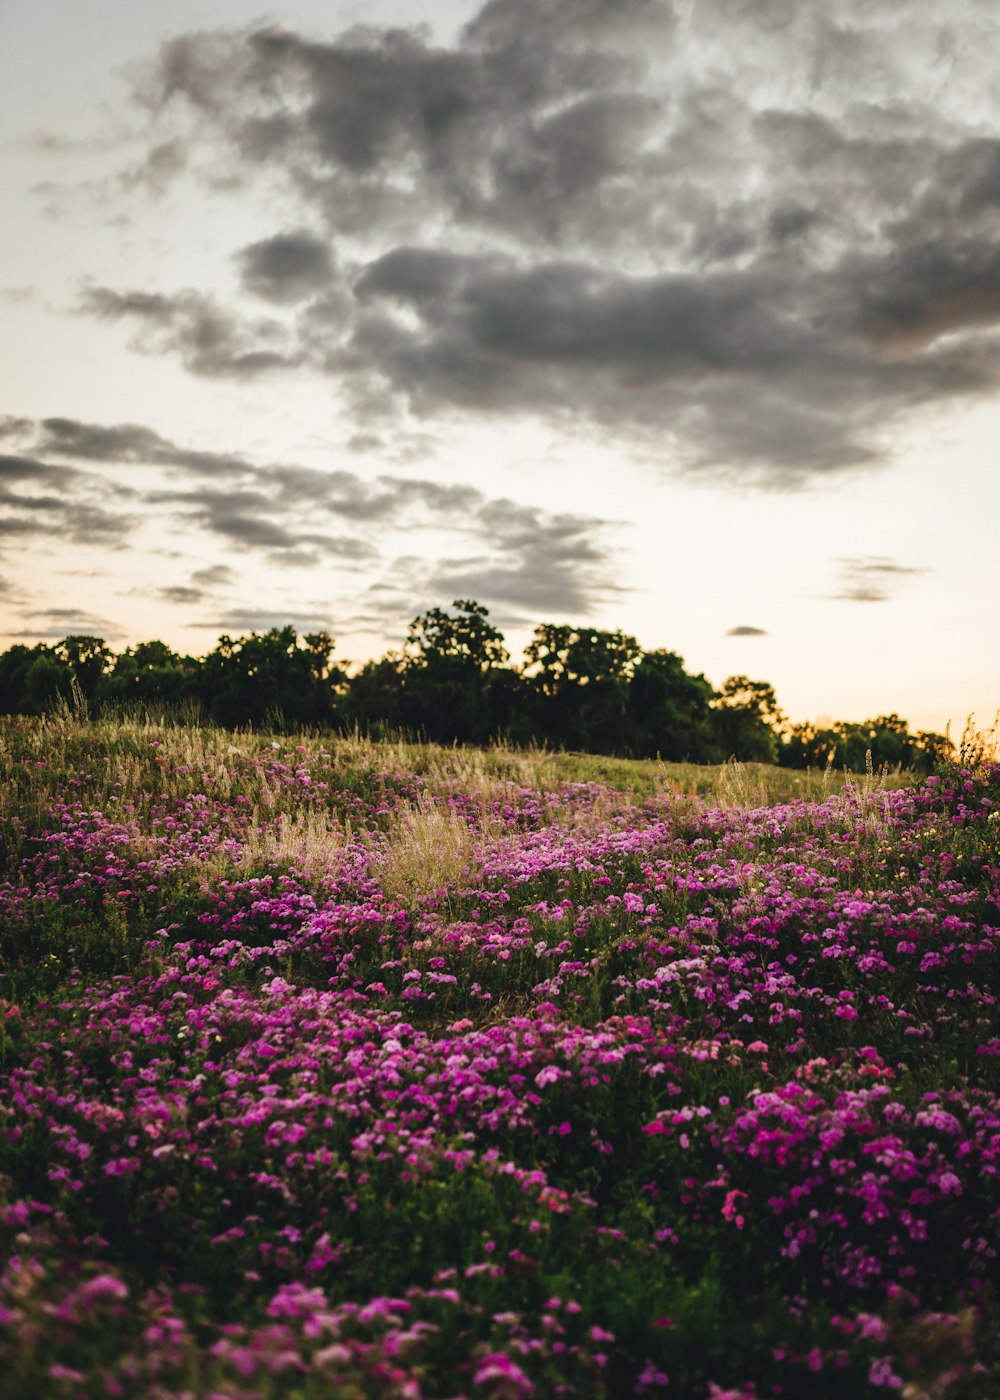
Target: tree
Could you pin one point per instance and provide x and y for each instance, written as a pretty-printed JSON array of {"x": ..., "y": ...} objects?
[
  {"x": 15, "y": 665},
  {"x": 848, "y": 744},
  {"x": 449, "y": 663},
  {"x": 580, "y": 681},
  {"x": 931, "y": 750},
  {"x": 150, "y": 673},
  {"x": 669, "y": 712},
  {"x": 88, "y": 659},
  {"x": 269, "y": 678},
  {"x": 375, "y": 698},
  {"x": 48, "y": 681},
  {"x": 806, "y": 745},
  {"x": 746, "y": 719},
  {"x": 464, "y": 636}
]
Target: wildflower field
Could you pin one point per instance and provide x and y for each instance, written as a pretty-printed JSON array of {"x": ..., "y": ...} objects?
[{"x": 332, "y": 1069}]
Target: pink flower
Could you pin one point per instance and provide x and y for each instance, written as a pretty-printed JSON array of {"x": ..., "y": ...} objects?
[
  {"x": 729, "y": 1208},
  {"x": 64, "y": 1373},
  {"x": 499, "y": 1367}
]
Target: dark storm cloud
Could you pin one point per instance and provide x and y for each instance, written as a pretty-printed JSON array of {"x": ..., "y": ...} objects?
[
  {"x": 744, "y": 237},
  {"x": 933, "y": 290},
  {"x": 745, "y": 631},
  {"x": 490, "y": 331},
  {"x": 871, "y": 579}
]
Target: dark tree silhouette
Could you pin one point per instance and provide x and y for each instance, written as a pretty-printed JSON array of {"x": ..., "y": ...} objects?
[
  {"x": 449, "y": 665},
  {"x": 581, "y": 688},
  {"x": 669, "y": 711},
  {"x": 580, "y": 681},
  {"x": 746, "y": 720}
]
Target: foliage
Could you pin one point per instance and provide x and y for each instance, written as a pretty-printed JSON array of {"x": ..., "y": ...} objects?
[
  {"x": 747, "y": 719},
  {"x": 884, "y": 742},
  {"x": 338, "y": 1068},
  {"x": 579, "y": 688}
]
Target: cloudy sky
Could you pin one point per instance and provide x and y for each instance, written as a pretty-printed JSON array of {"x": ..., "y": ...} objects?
[{"x": 680, "y": 316}]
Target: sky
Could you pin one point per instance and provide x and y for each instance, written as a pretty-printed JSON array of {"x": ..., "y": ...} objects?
[{"x": 674, "y": 316}]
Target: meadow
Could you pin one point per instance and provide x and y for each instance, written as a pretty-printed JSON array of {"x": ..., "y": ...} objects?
[{"x": 339, "y": 1069}]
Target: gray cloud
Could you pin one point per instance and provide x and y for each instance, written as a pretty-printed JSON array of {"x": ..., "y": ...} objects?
[
  {"x": 51, "y": 624},
  {"x": 125, "y": 443},
  {"x": 203, "y": 584},
  {"x": 745, "y": 631},
  {"x": 288, "y": 267},
  {"x": 262, "y": 620},
  {"x": 541, "y": 562},
  {"x": 213, "y": 576},
  {"x": 871, "y": 579},
  {"x": 180, "y": 593},
  {"x": 42, "y": 499},
  {"x": 505, "y": 552},
  {"x": 210, "y": 340},
  {"x": 20, "y": 469},
  {"x": 745, "y": 237},
  {"x": 249, "y": 518}
]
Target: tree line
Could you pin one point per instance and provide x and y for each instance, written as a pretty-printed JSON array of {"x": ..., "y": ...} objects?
[{"x": 577, "y": 688}]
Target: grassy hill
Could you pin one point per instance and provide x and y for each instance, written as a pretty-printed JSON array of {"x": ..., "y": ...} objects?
[{"x": 335, "y": 1068}]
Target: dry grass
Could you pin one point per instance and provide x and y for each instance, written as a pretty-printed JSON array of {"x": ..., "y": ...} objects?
[
  {"x": 308, "y": 842},
  {"x": 978, "y": 746},
  {"x": 428, "y": 850},
  {"x": 868, "y": 793},
  {"x": 740, "y": 786},
  {"x": 188, "y": 759}
]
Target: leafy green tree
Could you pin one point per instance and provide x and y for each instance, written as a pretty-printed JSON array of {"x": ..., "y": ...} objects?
[
  {"x": 15, "y": 664},
  {"x": 886, "y": 738},
  {"x": 931, "y": 751},
  {"x": 806, "y": 745},
  {"x": 47, "y": 681},
  {"x": 464, "y": 636},
  {"x": 886, "y": 741},
  {"x": 375, "y": 697}
]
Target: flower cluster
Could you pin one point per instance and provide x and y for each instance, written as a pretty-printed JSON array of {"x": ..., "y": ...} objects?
[{"x": 326, "y": 1077}]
